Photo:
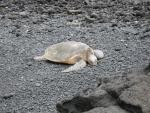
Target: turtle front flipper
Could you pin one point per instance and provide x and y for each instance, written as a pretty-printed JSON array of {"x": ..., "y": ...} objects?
[{"x": 77, "y": 66}]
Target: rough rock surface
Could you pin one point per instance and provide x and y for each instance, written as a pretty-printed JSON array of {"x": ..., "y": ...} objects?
[
  {"x": 127, "y": 93},
  {"x": 110, "y": 109}
]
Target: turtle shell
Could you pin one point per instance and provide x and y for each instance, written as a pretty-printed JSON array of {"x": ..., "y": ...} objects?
[{"x": 64, "y": 52}]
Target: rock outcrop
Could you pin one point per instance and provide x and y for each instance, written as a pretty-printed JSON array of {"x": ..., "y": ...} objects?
[{"x": 125, "y": 93}]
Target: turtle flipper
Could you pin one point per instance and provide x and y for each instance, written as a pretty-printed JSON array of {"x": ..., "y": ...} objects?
[
  {"x": 39, "y": 58},
  {"x": 77, "y": 66}
]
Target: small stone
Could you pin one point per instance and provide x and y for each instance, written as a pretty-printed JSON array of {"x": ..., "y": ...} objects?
[
  {"x": 24, "y": 13},
  {"x": 31, "y": 80},
  {"x": 122, "y": 40},
  {"x": 37, "y": 84},
  {"x": 136, "y": 22},
  {"x": 33, "y": 96},
  {"x": 89, "y": 19},
  {"x": 94, "y": 15},
  {"x": 74, "y": 11},
  {"x": 126, "y": 44},
  {"x": 29, "y": 63},
  {"x": 74, "y": 22}
]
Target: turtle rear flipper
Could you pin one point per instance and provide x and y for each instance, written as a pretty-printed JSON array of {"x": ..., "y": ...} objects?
[
  {"x": 40, "y": 58},
  {"x": 77, "y": 66}
]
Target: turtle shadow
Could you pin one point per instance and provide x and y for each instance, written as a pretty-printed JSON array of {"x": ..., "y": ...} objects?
[{"x": 56, "y": 63}]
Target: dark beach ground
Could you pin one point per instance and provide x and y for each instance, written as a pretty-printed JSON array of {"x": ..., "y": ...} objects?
[{"x": 119, "y": 28}]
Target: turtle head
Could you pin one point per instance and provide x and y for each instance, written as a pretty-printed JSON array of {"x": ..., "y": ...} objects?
[{"x": 92, "y": 59}]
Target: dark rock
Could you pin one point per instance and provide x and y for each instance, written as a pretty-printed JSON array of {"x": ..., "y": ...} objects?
[
  {"x": 138, "y": 96},
  {"x": 94, "y": 15},
  {"x": 147, "y": 70},
  {"x": 17, "y": 34},
  {"x": 111, "y": 109},
  {"x": 126, "y": 93},
  {"x": 137, "y": 8},
  {"x": 139, "y": 14},
  {"x": 29, "y": 63},
  {"x": 118, "y": 49},
  {"x": 76, "y": 105},
  {"x": 114, "y": 25},
  {"x": 82, "y": 103},
  {"x": 8, "y": 96},
  {"x": 144, "y": 36}
]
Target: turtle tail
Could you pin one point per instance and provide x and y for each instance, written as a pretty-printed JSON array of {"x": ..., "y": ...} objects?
[{"x": 39, "y": 58}]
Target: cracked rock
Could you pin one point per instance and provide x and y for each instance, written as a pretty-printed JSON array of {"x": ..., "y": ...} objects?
[
  {"x": 125, "y": 93},
  {"x": 111, "y": 109}
]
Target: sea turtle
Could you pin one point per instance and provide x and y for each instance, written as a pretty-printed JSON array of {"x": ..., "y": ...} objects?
[{"x": 71, "y": 52}]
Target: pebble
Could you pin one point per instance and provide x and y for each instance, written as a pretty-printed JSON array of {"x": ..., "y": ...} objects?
[
  {"x": 31, "y": 80},
  {"x": 24, "y": 13},
  {"x": 29, "y": 63},
  {"x": 37, "y": 84}
]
